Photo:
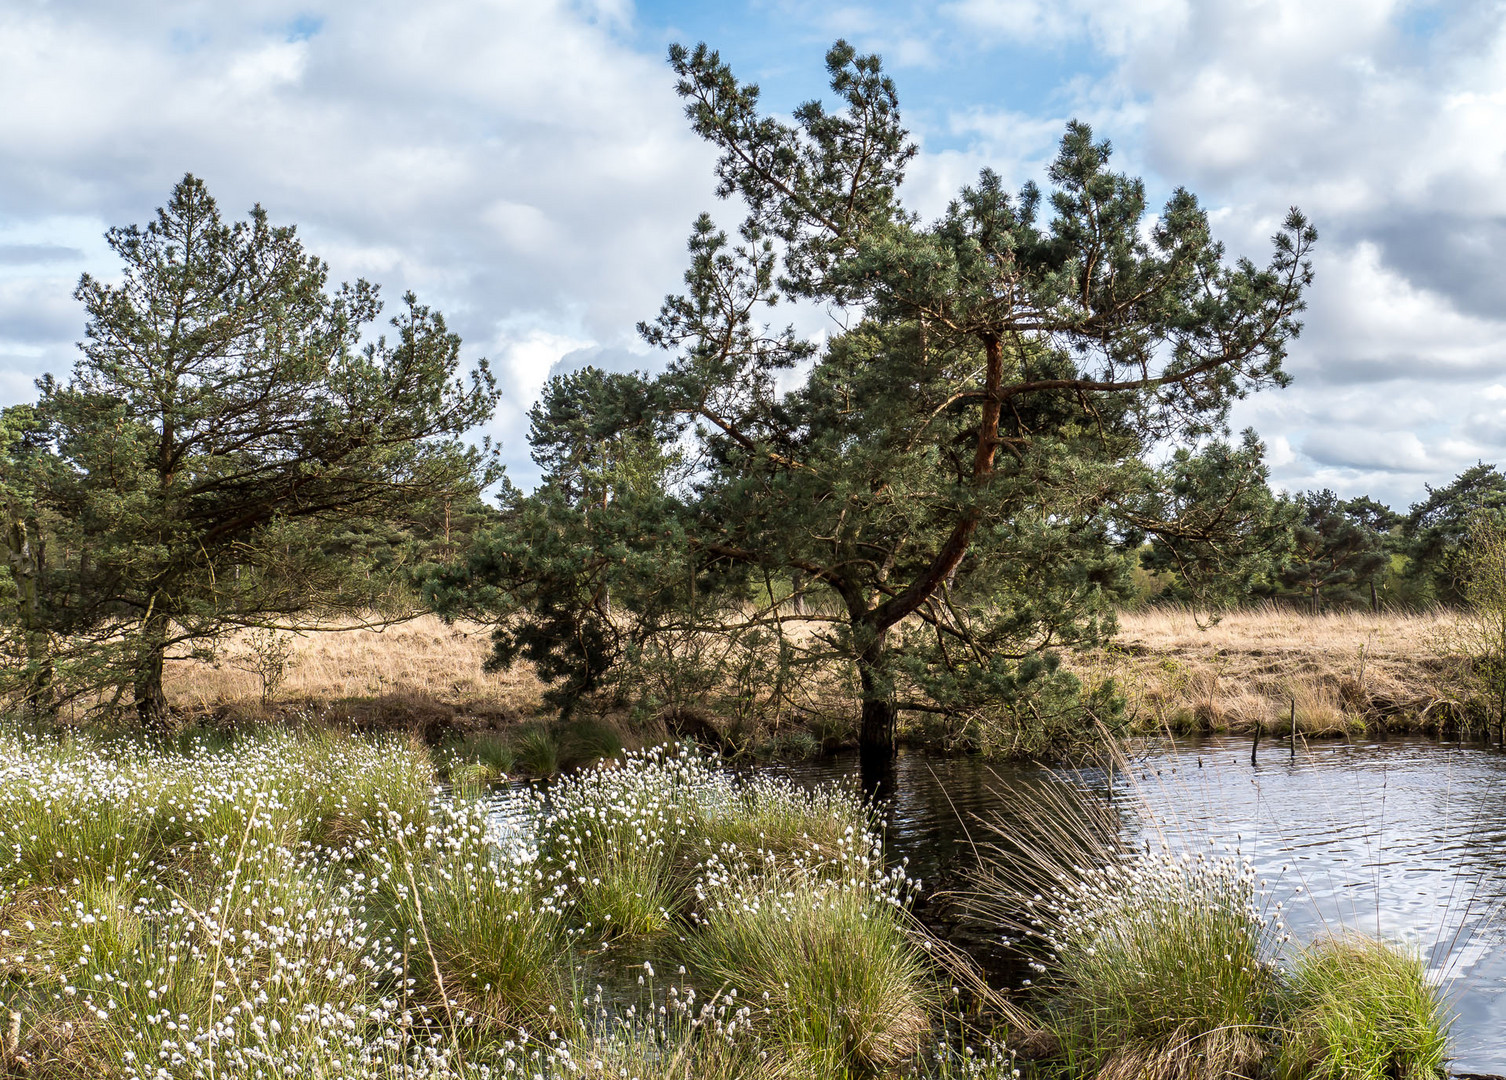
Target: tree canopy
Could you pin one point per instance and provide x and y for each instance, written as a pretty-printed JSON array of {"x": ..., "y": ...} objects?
[
  {"x": 1436, "y": 530},
  {"x": 1335, "y": 549},
  {"x": 954, "y": 475},
  {"x": 227, "y": 415}
]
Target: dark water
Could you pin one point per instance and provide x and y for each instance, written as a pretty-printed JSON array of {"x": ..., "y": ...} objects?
[{"x": 1404, "y": 839}]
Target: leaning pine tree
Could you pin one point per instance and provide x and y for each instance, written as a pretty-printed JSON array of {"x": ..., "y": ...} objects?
[
  {"x": 224, "y": 418},
  {"x": 957, "y": 475}
]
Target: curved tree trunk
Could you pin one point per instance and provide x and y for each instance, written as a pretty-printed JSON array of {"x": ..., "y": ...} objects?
[{"x": 876, "y": 739}]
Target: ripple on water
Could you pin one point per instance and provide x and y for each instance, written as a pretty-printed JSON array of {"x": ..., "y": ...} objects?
[{"x": 1404, "y": 838}]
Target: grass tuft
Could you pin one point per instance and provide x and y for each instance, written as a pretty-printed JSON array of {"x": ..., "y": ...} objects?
[
  {"x": 829, "y": 971},
  {"x": 535, "y": 751},
  {"x": 491, "y": 933},
  {"x": 1160, "y": 969},
  {"x": 1360, "y": 1009}
]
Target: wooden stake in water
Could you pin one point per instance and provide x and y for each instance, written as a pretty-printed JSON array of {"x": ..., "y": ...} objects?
[
  {"x": 1294, "y": 731},
  {"x": 1255, "y": 746}
]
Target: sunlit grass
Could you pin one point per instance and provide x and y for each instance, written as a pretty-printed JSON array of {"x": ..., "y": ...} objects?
[
  {"x": 831, "y": 975},
  {"x": 1360, "y": 1009},
  {"x": 304, "y": 902},
  {"x": 1161, "y": 969}
]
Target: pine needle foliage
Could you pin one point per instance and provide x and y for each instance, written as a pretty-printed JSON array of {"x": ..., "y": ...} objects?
[
  {"x": 229, "y": 428},
  {"x": 952, "y": 483}
]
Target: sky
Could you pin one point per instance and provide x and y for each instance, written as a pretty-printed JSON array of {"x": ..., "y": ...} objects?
[{"x": 525, "y": 167}]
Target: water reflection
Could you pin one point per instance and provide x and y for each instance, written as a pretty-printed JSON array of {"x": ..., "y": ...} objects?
[{"x": 1405, "y": 839}]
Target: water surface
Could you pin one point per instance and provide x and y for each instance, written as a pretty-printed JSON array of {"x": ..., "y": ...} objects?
[{"x": 1403, "y": 838}]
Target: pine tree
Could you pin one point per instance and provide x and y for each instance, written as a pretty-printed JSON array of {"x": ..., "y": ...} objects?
[
  {"x": 27, "y": 531},
  {"x": 223, "y": 418},
  {"x": 1436, "y": 531},
  {"x": 959, "y": 469},
  {"x": 1333, "y": 553}
]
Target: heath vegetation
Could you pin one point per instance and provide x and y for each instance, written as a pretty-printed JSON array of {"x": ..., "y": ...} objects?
[
  {"x": 961, "y": 521},
  {"x": 307, "y": 901}
]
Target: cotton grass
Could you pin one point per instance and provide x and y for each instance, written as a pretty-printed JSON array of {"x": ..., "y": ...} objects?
[
  {"x": 1167, "y": 961},
  {"x": 1161, "y": 968},
  {"x": 309, "y": 903}
]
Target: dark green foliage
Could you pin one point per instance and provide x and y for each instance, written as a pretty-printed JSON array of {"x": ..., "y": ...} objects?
[
  {"x": 597, "y": 540},
  {"x": 953, "y": 481},
  {"x": 224, "y": 420},
  {"x": 1217, "y": 530},
  {"x": 1375, "y": 516},
  {"x": 1334, "y": 555},
  {"x": 1436, "y": 529},
  {"x": 28, "y": 526}
]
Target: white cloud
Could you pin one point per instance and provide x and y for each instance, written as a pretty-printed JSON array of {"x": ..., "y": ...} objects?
[
  {"x": 1368, "y": 448},
  {"x": 1391, "y": 134},
  {"x": 528, "y": 359},
  {"x": 1114, "y": 26},
  {"x": 516, "y": 162},
  {"x": 526, "y": 169},
  {"x": 1369, "y": 323}
]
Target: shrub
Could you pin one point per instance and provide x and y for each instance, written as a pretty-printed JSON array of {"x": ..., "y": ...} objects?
[
  {"x": 1359, "y": 1009},
  {"x": 1160, "y": 969},
  {"x": 490, "y": 931},
  {"x": 827, "y": 967}
]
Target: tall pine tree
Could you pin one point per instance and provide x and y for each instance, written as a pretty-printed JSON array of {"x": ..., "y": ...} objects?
[
  {"x": 955, "y": 473},
  {"x": 225, "y": 416}
]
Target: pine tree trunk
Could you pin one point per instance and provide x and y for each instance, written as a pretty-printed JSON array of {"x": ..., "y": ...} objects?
[
  {"x": 24, "y": 557},
  {"x": 151, "y": 702},
  {"x": 39, "y": 699},
  {"x": 876, "y": 733}
]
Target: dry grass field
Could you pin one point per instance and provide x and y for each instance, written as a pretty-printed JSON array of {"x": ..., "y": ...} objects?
[
  {"x": 418, "y": 673},
  {"x": 1344, "y": 672}
]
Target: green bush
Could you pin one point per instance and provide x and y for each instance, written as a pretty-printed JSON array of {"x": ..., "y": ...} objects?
[
  {"x": 828, "y": 969},
  {"x": 491, "y": 935},
  {"x": 1161, "y": 970}
]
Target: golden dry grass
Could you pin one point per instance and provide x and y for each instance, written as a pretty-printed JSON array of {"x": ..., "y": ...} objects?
[
  {"x": 1343, "y": 671},
  {"x": 410, "y": 665}
]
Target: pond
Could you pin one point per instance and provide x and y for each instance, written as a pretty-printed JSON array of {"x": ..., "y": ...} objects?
[{"x": 1401, "y": 838}]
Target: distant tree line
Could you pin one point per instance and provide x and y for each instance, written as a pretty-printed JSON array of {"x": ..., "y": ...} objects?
[{"x": 1325, "y": 553}]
